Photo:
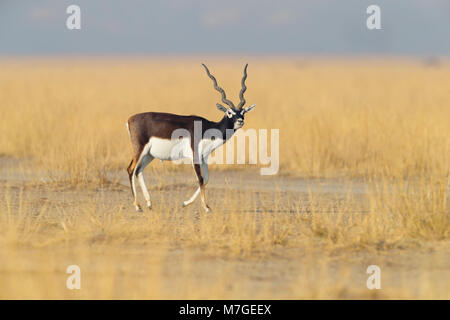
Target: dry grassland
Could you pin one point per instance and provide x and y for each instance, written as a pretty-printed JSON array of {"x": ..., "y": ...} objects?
[{"x": 364, "y": 179}]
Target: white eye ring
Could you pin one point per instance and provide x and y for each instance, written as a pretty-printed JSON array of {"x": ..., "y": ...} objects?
[{"x": 230, "y": 113}]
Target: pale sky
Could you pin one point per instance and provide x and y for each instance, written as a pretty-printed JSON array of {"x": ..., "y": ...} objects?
[{"x": 326, "y": 27}]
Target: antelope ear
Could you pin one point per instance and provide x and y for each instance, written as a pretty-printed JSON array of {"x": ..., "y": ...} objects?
[
  {"x": 248, "y": 109},
  {"x": 221, "y": 107}
]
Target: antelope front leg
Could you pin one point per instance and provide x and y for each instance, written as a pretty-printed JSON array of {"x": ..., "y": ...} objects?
[
  {"x": 205, "y": 205},
  {"x": 194, "y": 196},
  {"x": 202, "y": 180},
  {"x": 205, "y": 175}
]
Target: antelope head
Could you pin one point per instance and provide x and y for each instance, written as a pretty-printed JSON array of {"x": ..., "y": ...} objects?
[{"x": 234, "y": 114}]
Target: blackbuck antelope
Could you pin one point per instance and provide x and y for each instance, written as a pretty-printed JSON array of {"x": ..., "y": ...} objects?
[{"x": 152, "y": 136}]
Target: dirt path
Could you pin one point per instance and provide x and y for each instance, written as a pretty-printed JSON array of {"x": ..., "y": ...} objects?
[{"x": 270, "y": 193}]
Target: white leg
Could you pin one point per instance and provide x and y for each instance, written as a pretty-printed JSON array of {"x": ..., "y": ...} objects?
[
  {"x": 133, "y": 185},
  {"x": 202, "y": 174},
  {"x": 140, "y": 168},
  {"x": 194, "y": 196},
  {"x": 144, "y": 189}
]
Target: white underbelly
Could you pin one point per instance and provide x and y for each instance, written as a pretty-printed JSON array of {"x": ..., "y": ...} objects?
[{"x": 164, "y": 149}]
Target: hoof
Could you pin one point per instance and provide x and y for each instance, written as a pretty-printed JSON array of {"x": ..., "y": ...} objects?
[
  {"x": 138, "y": 208},
  {"x": 185, "y": 204},
  {"x": 149, "y": 206},
  {"x": 207, "y": 209}
]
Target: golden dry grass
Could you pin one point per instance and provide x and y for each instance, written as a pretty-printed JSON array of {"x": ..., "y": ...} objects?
[
  {"x": 384, "y": 123},
  {"x": 354, "y": 118}
]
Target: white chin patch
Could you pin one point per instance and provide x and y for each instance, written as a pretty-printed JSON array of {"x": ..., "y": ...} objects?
[{"x": 238, "y": 125}]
